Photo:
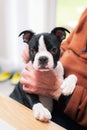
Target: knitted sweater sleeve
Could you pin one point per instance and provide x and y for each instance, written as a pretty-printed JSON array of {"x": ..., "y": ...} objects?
[
  {"x": 76, "y": 108},
  {"x": 74, "y": 61}
]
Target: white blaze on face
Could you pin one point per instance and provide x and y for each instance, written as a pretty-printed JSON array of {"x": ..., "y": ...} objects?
[
  {"x": 42, "y": 46},
  {"x": 42, "y": 51}
]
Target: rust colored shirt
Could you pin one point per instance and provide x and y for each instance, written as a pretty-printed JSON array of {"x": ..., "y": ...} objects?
[{"x": 74, "y": 60}]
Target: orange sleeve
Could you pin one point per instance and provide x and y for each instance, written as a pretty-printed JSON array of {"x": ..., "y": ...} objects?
[
  {"x": 65, "y": 44},
  {"x": 74, "y": 61},
  {"x": 77, "y": 106}
]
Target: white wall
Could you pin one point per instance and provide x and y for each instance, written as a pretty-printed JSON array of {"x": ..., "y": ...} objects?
[{"x": 16, "y": 16}]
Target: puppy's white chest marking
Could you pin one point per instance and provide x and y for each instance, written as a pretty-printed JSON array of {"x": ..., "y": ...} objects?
[{"x": 59, "y": 70}]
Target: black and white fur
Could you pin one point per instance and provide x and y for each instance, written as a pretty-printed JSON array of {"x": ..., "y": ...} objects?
[{"x": 44, "y": 51}]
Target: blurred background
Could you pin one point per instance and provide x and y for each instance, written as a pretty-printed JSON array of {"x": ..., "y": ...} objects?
[{"x": 36, "y": 15}]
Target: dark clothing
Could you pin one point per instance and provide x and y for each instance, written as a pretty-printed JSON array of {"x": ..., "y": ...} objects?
[{"x": 63, "y": 120}]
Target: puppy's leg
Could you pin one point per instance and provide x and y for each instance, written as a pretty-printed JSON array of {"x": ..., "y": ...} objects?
[
  {"x": 24, "y": 98},
  {"x": 41, "y": 113},
  {"x": 69, "y": 85}
]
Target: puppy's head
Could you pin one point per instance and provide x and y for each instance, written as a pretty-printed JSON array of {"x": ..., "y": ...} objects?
[{"x": 44, "y": 48}]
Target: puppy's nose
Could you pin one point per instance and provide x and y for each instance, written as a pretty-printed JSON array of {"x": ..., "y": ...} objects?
[{"x": 43, "y": 60}]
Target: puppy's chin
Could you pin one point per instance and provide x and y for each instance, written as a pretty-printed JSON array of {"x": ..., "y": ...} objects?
[{"x": 42, "y": 69}]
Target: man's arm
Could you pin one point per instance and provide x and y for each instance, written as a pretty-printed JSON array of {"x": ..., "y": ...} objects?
[{"x": 76, "y": 108}]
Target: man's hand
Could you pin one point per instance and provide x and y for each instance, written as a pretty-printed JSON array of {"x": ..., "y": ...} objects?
[{"x": 42, "y": 83}]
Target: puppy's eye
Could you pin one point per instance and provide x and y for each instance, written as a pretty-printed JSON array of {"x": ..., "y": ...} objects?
[
  {"x": 33, "y": 52},
  {"x": 54, "y": 50}
]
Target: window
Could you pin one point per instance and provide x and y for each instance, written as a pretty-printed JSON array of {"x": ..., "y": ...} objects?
[{"x": 68, "y": 12}]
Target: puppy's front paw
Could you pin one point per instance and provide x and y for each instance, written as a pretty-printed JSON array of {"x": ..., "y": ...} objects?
[
  {"x": 41, "y": 113},
  {"x": 69, "y": 85}
]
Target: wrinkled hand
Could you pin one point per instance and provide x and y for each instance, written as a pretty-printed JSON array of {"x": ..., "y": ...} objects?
[{"x": 42, "y": 83}]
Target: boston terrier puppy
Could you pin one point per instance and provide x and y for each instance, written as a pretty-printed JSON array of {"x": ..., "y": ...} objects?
[{"x": 44, "y": 52}]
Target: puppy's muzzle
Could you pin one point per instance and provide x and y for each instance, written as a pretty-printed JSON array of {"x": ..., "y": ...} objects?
[{"x": 43, "y": 61}]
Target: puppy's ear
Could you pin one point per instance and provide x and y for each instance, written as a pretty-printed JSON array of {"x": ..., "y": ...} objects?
[
  {"x": 60, "y": 32},
  {"x": 27, "y": 35}
]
